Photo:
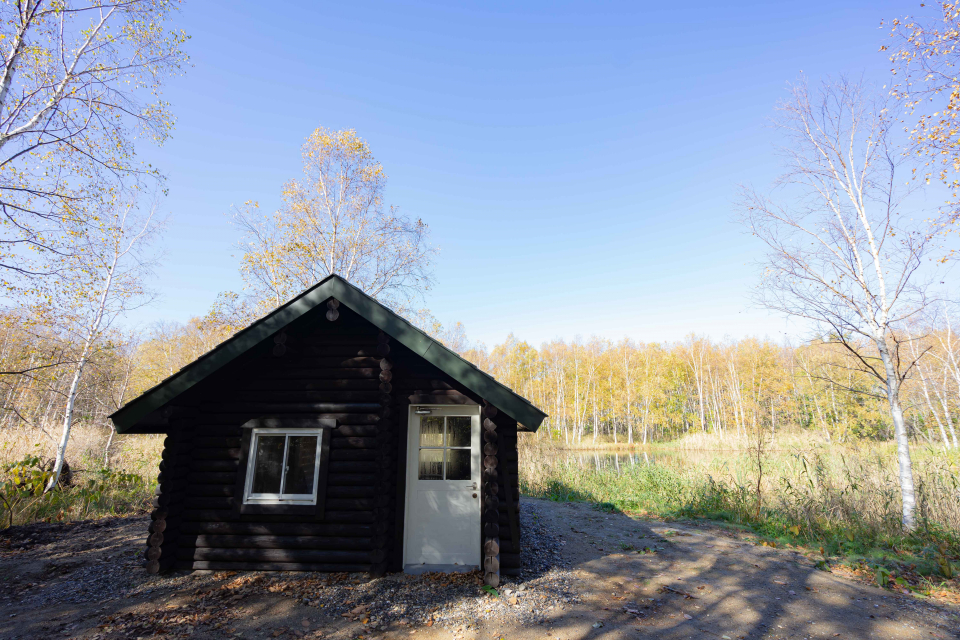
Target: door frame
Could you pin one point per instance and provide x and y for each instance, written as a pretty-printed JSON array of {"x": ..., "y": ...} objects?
[{"x": 411, "y": 467}]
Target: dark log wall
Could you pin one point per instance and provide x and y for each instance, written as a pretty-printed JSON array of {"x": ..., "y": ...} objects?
[{"x": 331, "y": 363}]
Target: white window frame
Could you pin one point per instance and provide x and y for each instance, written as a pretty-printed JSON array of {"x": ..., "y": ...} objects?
[{"x": 281, "y": 498}]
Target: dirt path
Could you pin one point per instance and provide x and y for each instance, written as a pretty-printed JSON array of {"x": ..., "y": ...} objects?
[{"x": 591, "y": 575}]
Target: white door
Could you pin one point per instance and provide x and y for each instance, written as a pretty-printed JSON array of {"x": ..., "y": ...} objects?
[{"x": 442, "y": 519}]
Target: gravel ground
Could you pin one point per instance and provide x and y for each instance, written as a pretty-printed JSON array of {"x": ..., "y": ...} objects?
[{"x": 587, "y": 574}]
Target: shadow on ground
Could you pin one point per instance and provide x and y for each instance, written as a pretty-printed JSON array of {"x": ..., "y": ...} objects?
[{"x": 588, "y": 573}]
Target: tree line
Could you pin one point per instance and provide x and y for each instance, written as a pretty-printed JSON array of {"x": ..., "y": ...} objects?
[{"x": 595, "y": 391}]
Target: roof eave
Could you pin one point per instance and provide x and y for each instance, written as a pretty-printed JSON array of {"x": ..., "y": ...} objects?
[{"x": 390, "y": 323}]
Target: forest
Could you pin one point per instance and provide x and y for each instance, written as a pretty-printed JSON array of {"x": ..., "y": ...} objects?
[{"x": 595, "y": 391}]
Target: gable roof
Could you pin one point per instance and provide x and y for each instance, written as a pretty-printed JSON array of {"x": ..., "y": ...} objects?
[{"x": 484, "y": 385}]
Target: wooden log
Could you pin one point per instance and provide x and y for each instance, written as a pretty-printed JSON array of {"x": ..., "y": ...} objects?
[
  {"x": 216, "y": 454},
  {"x": 360, "y": 430},
  {"x": 172, "y": 486},
  {"x": 510, "y": 559},
  {"x": 223, "y": 425},
  {"x": 221, "y": 466},
  {"x": 171, "y": 474},
  {"x": 162, "y": 500},
  {"x": 205, "y": 565},
  {"x": 274, "y": 555},
  {"x": 228, "y": 515},
  {"x": 489, "y": 410},
  {"x": 295, "y": 373},
  {"x": 352, "y": 467},
  {"x": 212, "y": 490},
  {"x": 306, "y": 395},
  {"x": 491, "y": 564},
  {"x": 312, "y": 408},
  {"x": 506, "y": 546},
  {"x": 316, "y": 529},
  {"x": 353, "y": 443},
  {"x": 491, "y": 547},
  {"x": 275, "y": 542},
  {"x": 424, "y": 385},
  {"x": 369, "y": 455},
  {"x": 217, "y": 442},
  {"x": 386, "y": 376},
  {"x": 350, "y": 504},
  {"x": 489, "y": 425},
  {"x": 162, "y": 513},
  {"x": 346, "y": 491},
  {"x": 212, "y": 477},
  {"x": 351, "y": 479},
  {"x": 297, "y": 384},
  {"x": 437, "y": 398},
  {"x": 161, "y": 565},
  {"x": 491, "y": 579}
]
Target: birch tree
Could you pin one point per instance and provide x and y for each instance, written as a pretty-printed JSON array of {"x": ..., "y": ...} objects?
[
  {"x": 841, "y": 251},
  {"x": 333, "y": 220},
  {"x": 80, "y": 83},
  {"x": 105, "y": 268}
]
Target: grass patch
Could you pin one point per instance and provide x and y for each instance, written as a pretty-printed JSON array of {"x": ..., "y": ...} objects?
[
  {"x": 91, "y": 494},
  {"x": 97, "y": 490},
  {"x": 842, "y": 505}
]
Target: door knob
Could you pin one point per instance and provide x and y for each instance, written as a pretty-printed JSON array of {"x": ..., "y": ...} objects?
[{"x": 474, "y": 495}]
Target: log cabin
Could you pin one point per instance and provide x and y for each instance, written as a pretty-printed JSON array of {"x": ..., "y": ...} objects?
[{"x": 333, "y": 435}]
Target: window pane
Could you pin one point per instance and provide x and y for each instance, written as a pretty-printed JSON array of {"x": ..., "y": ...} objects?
[
  {"x": 431, "y": 431},
  {"x": 301, "y": 459},
  {"x": 458, "y": 431},
  {"x": 431, "y": 464},
  {"x": 268, "y": 465},
  {"x": 458, "y": 464}
]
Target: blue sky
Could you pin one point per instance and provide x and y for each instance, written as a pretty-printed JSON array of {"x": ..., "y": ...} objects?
[{"x": 577, "y": 162}]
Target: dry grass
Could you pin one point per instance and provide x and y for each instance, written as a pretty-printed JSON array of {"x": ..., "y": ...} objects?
[
  {"x": 120, "y": 484},
  {"x": 843, "y": 498}
]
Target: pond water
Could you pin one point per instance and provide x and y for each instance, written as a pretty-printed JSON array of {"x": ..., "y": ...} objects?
[
  {"x": 599, "y": 459},
  {"x": 619, "y": 461}
]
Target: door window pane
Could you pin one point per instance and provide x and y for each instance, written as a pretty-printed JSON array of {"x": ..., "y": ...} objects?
[
  {"x": 268, "y": 469},
  {"x": 458, "y": 464},
  {"x": 431, "y": 431},
  {"x": 431, "y": 464},
  {"x": 301, "y": 462},
  {"x": 458, "y": 431}
]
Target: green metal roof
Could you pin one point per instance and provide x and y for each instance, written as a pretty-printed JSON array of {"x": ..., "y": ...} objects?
[{"x": 484, "y": 385}]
